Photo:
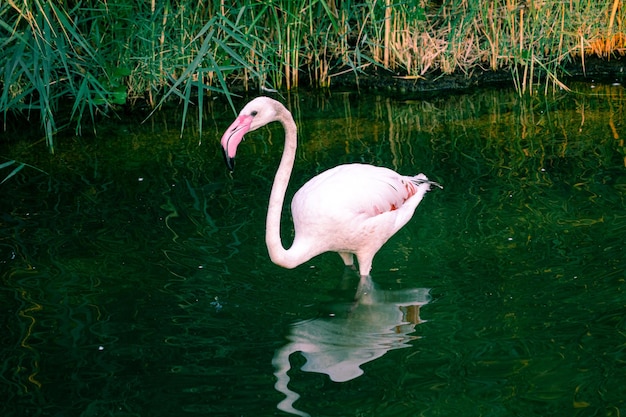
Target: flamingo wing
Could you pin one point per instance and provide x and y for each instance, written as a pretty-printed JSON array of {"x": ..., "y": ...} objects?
[{"x": 353, "y": 190}]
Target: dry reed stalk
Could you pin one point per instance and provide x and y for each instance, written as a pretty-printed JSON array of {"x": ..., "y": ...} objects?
[
  {"x": 511, "y": 7},
  {"x": 288, "y": 64},
  {"x": 387, "y": 33},
  {"x": 610, "y": 45},
  {"x": 521, "y": 29},
  {"x": 493, "y": 39},
  {"x": 433, "y": 48}
]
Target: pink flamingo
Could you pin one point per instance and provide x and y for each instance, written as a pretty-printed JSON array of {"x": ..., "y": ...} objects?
[{"x": 351, "y": 209}]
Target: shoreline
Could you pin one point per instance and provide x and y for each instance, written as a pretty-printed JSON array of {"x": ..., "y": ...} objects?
[{"x": 595, "y": 70}]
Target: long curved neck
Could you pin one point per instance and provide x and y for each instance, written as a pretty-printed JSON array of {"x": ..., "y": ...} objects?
[{"x": 277, "y": 252}]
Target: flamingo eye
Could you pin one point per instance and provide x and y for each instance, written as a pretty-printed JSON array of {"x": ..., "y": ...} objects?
[{"x": 254, "y": 113}]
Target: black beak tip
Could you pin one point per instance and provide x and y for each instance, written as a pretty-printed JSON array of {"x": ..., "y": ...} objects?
[{"x": 230, "y": 162}]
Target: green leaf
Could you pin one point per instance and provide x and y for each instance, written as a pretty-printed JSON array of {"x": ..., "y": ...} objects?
[
  {"x": 7, "y": 163},
  {"x": 12, "y": 173}
]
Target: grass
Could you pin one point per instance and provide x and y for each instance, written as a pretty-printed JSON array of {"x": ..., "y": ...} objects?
[{"x": 99, "y": 55}]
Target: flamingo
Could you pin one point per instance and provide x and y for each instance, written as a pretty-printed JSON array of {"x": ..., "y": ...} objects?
[{"x": 352, "y": 209}]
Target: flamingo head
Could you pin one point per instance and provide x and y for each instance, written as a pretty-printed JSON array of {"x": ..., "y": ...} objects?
[{"x": 256, "y": 114}]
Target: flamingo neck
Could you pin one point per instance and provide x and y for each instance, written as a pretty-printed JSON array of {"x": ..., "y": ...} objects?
[{"x": 277, "y": 251}]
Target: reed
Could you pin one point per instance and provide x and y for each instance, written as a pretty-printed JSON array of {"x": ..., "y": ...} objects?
[
  {"x": 17, "y": 167},
  {"x": 97, "y": 56}
]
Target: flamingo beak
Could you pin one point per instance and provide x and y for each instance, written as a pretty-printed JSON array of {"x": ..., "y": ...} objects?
[{"x": 233, "y": 137}]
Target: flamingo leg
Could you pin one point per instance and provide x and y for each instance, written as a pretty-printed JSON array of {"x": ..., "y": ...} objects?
[
  {"x": 347, "y": 258},
  {"x": 365, "y": 266}
]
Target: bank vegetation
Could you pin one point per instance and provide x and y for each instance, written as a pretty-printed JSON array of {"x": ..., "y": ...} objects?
[{"x": 63, "y": 63}]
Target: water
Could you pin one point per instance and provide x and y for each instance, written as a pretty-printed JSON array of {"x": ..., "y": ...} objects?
[{"x": 135, "y": 279}]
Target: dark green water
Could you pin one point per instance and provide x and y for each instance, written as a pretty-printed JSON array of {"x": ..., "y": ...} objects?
[{"x": 134, "y": 279}]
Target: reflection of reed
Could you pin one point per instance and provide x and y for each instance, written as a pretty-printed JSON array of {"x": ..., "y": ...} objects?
[
  {"x": 522, "y": 141},
  {"x": 29, "y": 314},
  {"x": 353, "y": 334}
]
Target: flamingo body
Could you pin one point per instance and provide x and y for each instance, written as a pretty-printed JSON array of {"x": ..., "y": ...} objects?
[{"x": 351, "y": 209}]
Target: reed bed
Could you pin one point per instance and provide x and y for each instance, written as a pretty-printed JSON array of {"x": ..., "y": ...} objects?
[{"x": 68, "y": 63}]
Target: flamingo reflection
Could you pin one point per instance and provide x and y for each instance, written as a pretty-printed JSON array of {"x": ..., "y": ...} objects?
[{"x": 355, "y": 333}]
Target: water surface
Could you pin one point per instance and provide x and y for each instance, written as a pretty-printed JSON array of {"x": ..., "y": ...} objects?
[{"x": 135, "y": 281}]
